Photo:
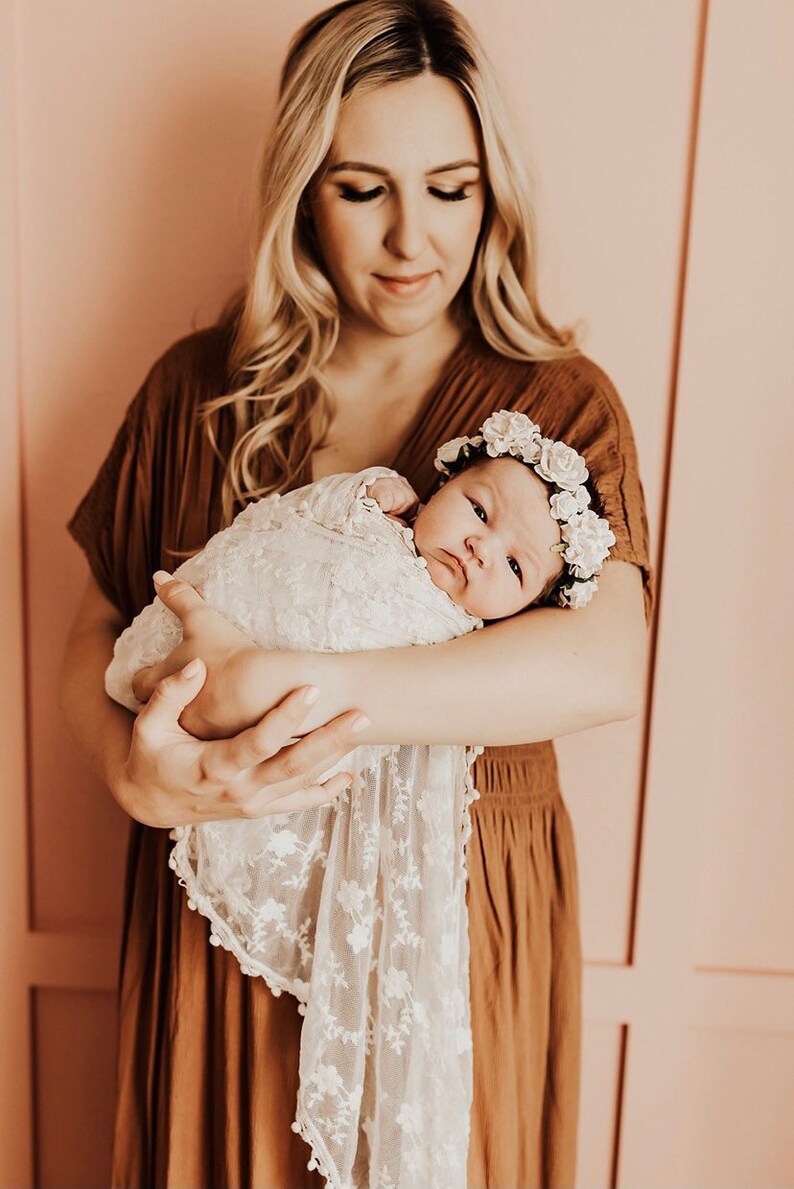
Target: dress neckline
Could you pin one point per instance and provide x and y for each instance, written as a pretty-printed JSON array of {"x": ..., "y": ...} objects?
[{"x": 454, "y": 361}]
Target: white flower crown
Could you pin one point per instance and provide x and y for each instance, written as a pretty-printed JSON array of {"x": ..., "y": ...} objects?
[{"x": 586, "y": 537}]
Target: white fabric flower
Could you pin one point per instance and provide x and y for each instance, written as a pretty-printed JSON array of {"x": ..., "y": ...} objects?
[
  {"x": 505, "y": 432},
  {"x": 578, "y": 594},
  {"x": 351, "y": 896},
  {"x": 588, "y": 538},
  {"x": 327, "y": 1079},
  {"x": 561, "y": 464},
  {"x": 565, "y": 504},
  {"x": 272, "y": 911},
  {"x": 358, "y": 938},
  {"x": 450, "y": 450},
  {"x": 409, "y": 1118},
  {"x": 284, "y": 843},
  {"x": 396, "y": 984}
]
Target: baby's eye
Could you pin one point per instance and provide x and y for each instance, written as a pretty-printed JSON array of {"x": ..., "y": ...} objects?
[
  {"x": 350, "y": 194},
  {"x": 515, "y": 567},
  {"x": 479, "y": 511},
  {"x": 449, "y": 195}
]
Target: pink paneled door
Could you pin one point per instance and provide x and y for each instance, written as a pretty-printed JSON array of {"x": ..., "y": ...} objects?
[{"x": 128, "y": 139}]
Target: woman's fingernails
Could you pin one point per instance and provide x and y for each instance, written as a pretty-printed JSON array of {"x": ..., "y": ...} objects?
[
  {"x": 161, "y": 576},
  {"x": 191, "y": 668},
  {"x": 359, "y": 724},
  {"x": 310, "y": 695}
]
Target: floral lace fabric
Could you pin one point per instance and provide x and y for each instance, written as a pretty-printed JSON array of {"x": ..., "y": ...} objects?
[{"x": 357, "y": 909}]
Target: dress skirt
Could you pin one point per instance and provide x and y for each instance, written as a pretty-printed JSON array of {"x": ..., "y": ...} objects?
[{"x": 208, "y": 1057}]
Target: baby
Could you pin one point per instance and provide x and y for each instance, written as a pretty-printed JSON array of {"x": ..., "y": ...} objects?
[{"x": 358, "y": 909}]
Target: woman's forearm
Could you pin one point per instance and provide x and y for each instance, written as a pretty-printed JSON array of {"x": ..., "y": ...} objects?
[
  {"x": 101, "y": 728},
  {"x": 547, "y": 673}
]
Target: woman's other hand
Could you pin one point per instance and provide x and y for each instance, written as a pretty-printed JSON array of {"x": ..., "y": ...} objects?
[
  {"x": 171, "y": 778},
  {"x": 227, "y": 702},
  {"x": 160, "y": 774}
]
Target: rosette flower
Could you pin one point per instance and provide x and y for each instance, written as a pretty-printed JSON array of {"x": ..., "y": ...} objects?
[
  {"x": 511, "y": 433},
  {"x": 566, "y": 504},
  {"x": 578, "y": 594},
  {"x": 560, "y": 464},
  {"x": 449, "y": 452},
  {"x": 588, "y": 539}
]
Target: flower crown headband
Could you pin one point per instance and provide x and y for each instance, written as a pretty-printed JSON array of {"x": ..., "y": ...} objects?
[{"x": 586, "y": 537}]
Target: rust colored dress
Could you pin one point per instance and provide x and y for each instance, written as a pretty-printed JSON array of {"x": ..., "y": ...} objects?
[{"x": 208, "y": 1058}]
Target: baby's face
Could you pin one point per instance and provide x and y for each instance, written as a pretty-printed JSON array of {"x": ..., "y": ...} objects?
[{"x": 486, "y": 536}]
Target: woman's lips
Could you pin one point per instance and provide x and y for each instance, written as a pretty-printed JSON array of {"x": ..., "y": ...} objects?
[{"x": 405, "y": 286}]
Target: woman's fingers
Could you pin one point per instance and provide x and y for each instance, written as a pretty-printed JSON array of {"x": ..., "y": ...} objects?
[
  {"x": 269, "y": 760},
  {"x": 308, "y": 798},
  {"x": 227, "y": 758}
]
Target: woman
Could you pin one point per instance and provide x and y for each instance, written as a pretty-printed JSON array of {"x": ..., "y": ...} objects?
[{"x": 392, "y": 305}]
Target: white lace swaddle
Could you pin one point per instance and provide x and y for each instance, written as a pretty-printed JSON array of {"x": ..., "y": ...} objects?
[{"x": 358, "y": 909}]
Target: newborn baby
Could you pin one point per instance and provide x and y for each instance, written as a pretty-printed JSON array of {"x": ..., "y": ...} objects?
[{"x": 358, "y": 909}]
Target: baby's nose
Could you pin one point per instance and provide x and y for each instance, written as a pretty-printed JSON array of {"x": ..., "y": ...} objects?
[{"x": 478, "y": 549}]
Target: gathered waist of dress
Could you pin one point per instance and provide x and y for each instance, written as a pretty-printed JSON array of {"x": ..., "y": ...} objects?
[{"x": 514, "y": 776}]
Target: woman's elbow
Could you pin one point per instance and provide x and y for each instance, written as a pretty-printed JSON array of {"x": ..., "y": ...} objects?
[{"x": 622, "y": 654}]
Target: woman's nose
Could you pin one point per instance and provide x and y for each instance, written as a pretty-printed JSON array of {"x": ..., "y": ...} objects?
[{"x": 407, "y": 234}]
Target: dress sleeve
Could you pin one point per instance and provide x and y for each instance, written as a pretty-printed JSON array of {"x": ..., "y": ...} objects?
[
  {"x": 577, "y": 402},
  {"x": 118, "y": 522},
  {"x": 156, "y": 498}
]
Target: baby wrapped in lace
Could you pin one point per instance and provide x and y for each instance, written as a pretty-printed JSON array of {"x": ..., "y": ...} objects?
[{"x": 358, "y": 908}]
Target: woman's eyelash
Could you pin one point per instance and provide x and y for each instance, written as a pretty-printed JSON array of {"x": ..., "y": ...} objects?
[
  {"x": 450, "y": 195},
  {"x": 350, "y": 194}
]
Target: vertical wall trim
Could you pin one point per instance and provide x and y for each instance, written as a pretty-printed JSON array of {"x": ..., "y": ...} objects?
[
  {"x": 675, "y": 357},
  {"x": 622, "y": 1044},
  {"x": 16, "y": 1096}
]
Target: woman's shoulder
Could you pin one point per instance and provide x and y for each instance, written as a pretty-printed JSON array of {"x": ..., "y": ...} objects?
[
  {"x": 193, "y": 368},
  {"x": 571, "y": 392},
  {"x": 576, "y": 374}
]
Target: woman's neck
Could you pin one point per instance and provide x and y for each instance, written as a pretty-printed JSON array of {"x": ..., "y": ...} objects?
[{"x": 381, "y": 359}]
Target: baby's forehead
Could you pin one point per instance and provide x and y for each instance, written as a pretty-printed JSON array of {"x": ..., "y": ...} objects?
[{"x": 510, "y": 480}]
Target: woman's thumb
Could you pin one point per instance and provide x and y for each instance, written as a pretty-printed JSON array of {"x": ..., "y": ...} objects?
[{"x": 172, "y": 694}]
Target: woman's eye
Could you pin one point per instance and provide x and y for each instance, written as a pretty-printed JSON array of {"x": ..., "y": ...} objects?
[
  {"x": 515, "y": 567},
  {"x": 351, "y": 195},
  {"x": 450, "y": 195},
  {"x": 479, "y": 511}
]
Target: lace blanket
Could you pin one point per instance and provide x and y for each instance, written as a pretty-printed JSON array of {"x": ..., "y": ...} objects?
[{"x": 357, "y": 909}]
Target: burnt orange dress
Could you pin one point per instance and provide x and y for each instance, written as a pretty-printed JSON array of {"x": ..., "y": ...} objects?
[{"x": 208, "y": 1058}]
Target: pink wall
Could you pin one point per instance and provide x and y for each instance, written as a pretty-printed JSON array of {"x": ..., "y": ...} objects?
[{"x": 128, "y": 137}]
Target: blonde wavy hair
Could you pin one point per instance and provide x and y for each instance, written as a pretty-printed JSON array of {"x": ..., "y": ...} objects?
[{"x": 288, "y": 321}]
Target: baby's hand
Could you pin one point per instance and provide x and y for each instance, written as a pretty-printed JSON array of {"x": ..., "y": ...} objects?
[{"x": 395, "y": 496}]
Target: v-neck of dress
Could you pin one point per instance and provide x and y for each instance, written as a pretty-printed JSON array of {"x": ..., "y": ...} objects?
[{"x": 415, "y": 454}]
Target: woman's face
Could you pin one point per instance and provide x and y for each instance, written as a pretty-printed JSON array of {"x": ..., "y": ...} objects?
[{"x": 398, "y": 208}]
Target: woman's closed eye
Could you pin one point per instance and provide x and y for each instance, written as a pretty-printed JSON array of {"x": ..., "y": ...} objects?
[{"x": 350, "y": 194}]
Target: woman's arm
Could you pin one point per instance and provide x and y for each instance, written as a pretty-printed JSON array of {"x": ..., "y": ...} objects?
[
  {"x": 162, "y": 776},
  {"x": 542, "y": 674}
]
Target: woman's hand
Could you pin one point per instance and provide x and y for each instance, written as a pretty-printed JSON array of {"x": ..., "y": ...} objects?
[
  {"x": 171, "y": 778},
  {"x": 227, "y": 702}
]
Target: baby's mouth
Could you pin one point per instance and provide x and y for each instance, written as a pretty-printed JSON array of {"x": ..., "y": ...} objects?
[{"x": 455, "y": 563}]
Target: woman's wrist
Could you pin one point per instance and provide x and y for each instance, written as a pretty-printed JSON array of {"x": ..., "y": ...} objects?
[{"x": 271, "y": 674}]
